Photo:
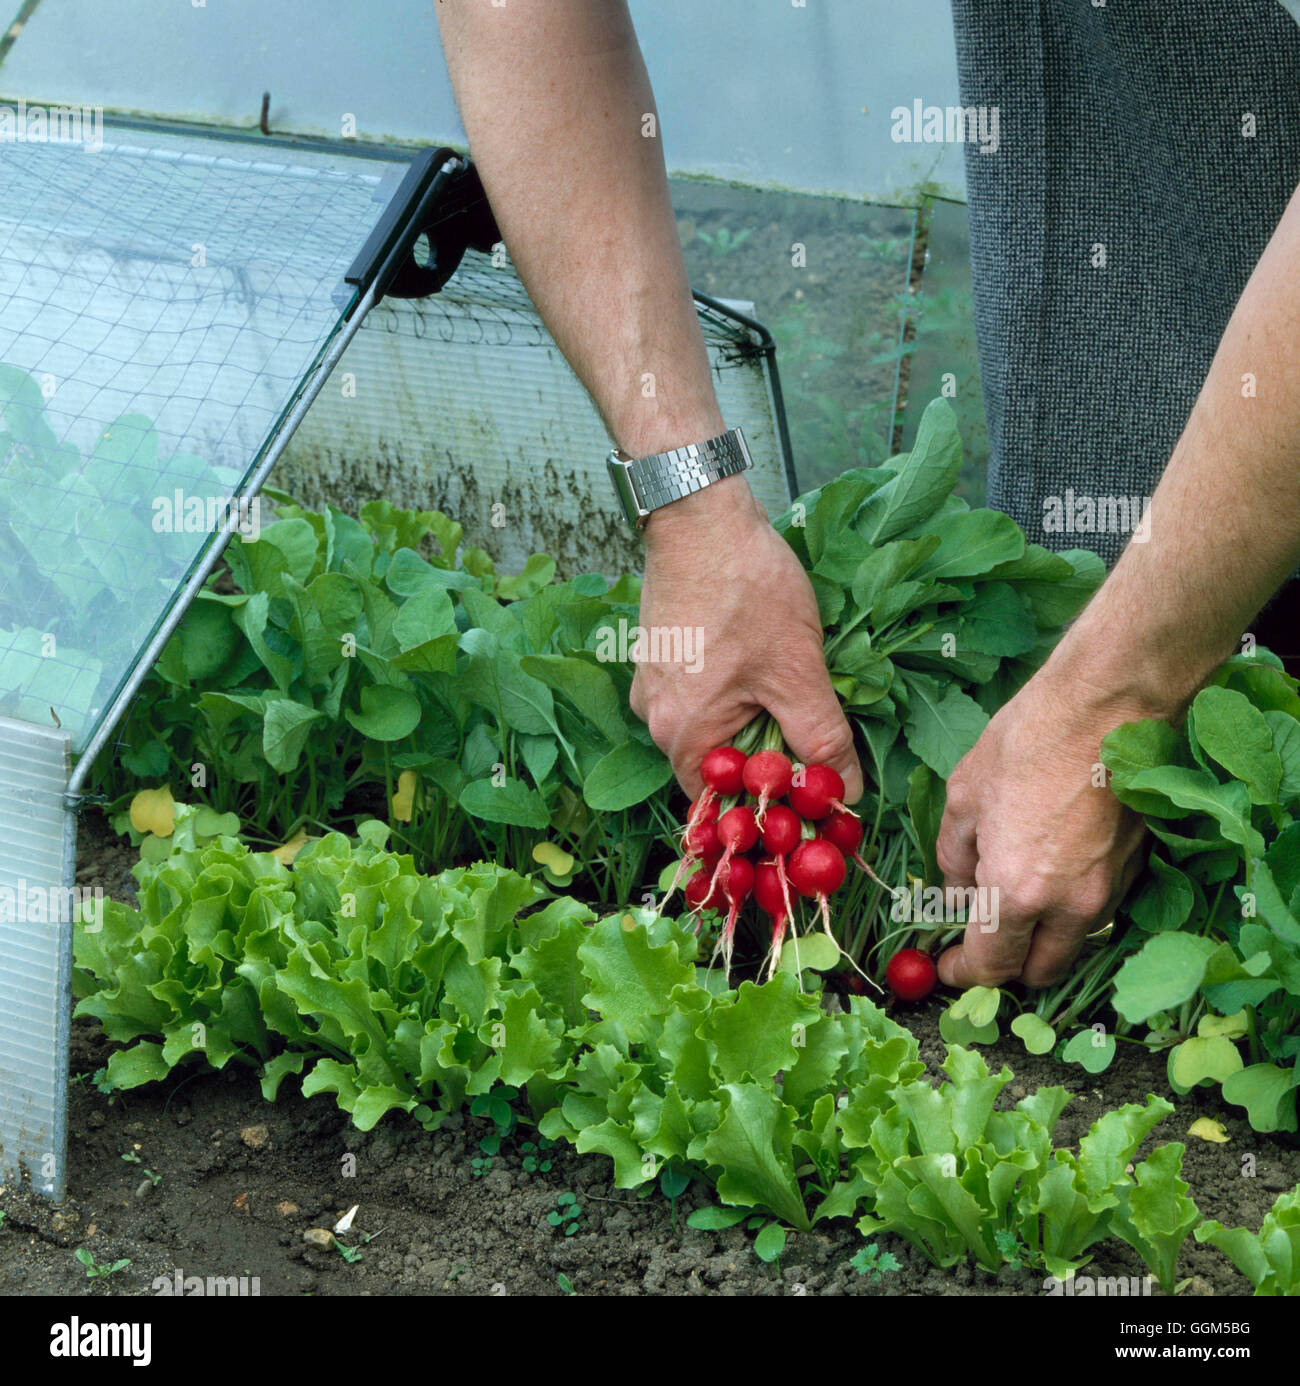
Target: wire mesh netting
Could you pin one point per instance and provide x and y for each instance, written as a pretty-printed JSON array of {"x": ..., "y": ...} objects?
[
  {"x": 482, "y": 306},
  {"x": 462, "y": 402},
  {"x": 163, "y": 305}
]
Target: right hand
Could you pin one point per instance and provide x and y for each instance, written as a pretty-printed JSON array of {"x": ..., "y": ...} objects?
[{"x": 715, "y": 566}]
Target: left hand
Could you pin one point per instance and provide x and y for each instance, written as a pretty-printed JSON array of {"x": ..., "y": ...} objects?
[{"x": 1027, "y": 816}]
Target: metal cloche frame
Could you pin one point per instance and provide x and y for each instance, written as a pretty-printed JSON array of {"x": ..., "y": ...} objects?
[{"x": 38, "y": 800}]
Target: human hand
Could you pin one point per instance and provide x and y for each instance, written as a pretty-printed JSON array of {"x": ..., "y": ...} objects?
[
  {"x": 1029, "y": 816},
  {"x": 719, "y": 575}
]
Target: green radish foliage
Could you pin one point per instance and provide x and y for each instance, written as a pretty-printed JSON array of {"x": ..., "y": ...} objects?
[
  {"x": 1213, "y": 966},
  {"x": 343, "y": 662},
  {"x": 380, "y": 666}
]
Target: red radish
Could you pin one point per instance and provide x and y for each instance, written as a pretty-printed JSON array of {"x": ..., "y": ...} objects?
[
  {"x": 911, "y": 974},
  {"x": 722, "y": 770},
  {"x": 816, "y": 790},
  {"x": 703, "y": 810},
  {"x": 701, "y": 840},
  {"x": 737, "y": 832},
  {"x": 737, "y": 884},
  {"x": 781, "y": 830},
  {"x": 736, "y": 876},
  {"x": 767, "y": 777},
  {"x": 699, "y": 893},
  {"x": 845, "y": 831},
  {"x": 816, "y": 870},
  {"x": 699, "y": 843},
  {"x": 772, "y": 892},
  {"x": 769, "y": 892}
]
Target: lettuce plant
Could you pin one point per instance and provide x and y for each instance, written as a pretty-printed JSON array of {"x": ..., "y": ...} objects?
[
  {"x": 1269, "y": 1258},
  {"x": 396, "y": 991},
  {"x": 959, "y": 1179}
]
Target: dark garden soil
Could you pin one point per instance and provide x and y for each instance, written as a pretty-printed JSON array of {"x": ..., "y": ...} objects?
[{"x": 239, "y": 1181}]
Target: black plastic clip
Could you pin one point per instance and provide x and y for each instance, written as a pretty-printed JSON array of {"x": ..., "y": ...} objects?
[{"x": 440, "y": 198}]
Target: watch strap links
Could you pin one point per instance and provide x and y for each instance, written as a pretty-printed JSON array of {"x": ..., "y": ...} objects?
[{"x": 645, "y": 484}]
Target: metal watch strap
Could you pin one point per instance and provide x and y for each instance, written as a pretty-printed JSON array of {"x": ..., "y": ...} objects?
[{"x": 644, "y": 484}]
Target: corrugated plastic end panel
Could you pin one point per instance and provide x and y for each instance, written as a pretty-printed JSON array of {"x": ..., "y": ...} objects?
[{"x": 37, "y": 855}]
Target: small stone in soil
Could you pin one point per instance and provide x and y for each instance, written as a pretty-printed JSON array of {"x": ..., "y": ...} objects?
[
  {"x": 318, "y": 1236},
  {"x": 254, "y": 1137},
  {"x": 285, "y": 1208}
]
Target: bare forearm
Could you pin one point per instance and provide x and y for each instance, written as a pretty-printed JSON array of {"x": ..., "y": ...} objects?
[
  {"x": 1225, "y": 519},
  {"x": 562, "y": 125},
  {"x": 555, "y": 100}
]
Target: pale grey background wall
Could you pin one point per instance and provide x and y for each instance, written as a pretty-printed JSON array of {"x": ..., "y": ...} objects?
[{"x": 735, "y": 79}]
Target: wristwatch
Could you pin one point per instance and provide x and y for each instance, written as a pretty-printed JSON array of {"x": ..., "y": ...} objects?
[{"x": 644, "y": 484}]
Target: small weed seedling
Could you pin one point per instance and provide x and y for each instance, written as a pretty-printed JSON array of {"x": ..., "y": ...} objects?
[
  {"x": 770, "y": 1242},
  {"x": 874, "y": 1263},
  {"x": 1008, "y": 1245},
  {"x": 723, "y": 242},
  {"x": 351, "y": 1254},
  {"x": 566, "y": 1215},
  {"x": 93, "y": 1270},
  {"x": 496, "y": 1106},
  {"x": 131, "y": 1157},
  {"x": 565, "y": 1284},
  {"x": 489, "y": 1148},
  {"x": 673, "y": 1183},
  {"x": 536, "y": 1160},
  {"x": 768, "y": 1245}
]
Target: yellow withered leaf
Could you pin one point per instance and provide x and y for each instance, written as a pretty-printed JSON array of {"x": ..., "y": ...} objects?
[
  {"x": 154, "y": 811},
  {"x": 1209, "y": 1130},
  {"x": 403, "y": 805},
  {"x": 554, "y": 858},
  {"x": 288, "y": 850}
]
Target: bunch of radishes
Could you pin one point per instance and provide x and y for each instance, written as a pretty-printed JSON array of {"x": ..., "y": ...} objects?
[{"x": 766, "y": 828}]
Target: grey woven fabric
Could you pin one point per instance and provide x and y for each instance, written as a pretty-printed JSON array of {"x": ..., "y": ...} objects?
[{"x": 1121, "y": 126}]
